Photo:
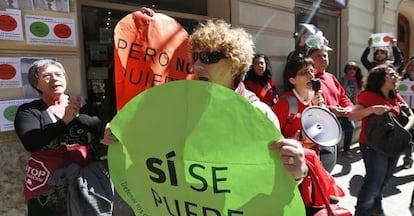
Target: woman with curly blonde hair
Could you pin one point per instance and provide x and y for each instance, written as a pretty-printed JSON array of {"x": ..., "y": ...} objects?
[
  {"x": 222, "y": 55},
  {"x": 221, "y": 42}
]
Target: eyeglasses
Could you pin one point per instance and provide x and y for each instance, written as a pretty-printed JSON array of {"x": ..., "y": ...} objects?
[
  {"x": 304, "y": 72},
  {"x": 48, "y": 76},
  {"x": 208, "y": 57}
]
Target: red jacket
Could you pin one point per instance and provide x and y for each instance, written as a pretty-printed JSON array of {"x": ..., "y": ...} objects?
[{"x": 266, "y": 93}]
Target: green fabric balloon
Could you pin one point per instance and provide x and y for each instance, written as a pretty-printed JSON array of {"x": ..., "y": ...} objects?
[{"x": 197, "y": 148}]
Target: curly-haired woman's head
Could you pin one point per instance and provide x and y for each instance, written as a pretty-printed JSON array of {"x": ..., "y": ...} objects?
[
  {"x": 383, "y": 80},
  {"x": 214, "y": 41}
]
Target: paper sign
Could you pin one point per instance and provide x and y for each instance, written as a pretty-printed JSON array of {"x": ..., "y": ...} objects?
[
  {"x": 8, "y": 109},
  {"x": 149, "y": 51},
  {"x": 381, "y": 39},
  {"x": 406, "y": 90},
  {"x": 42, "y": 30},
  {"x": 197, "y": 148},
  {"x": 314, "y": 41},
  {"x": 11, "y": 25},
  {"x": 10, "y": 76}
]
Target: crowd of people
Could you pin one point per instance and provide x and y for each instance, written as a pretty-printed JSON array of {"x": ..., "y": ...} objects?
[{"x": 48, "y": 127}]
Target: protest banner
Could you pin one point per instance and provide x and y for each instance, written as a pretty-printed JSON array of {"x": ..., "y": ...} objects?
[
  {"x": 197, "y": 148},
  {"x": 149, "y": 50}
]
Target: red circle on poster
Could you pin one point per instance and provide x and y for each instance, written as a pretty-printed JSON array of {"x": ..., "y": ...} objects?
[
  {"x": 386, "y": 38},
  {"x": 62, "y": 31},
  {"x": 7, "y": 71},
  {"x": 7, "y": 23},
  {"x": 412, "y": 88}
]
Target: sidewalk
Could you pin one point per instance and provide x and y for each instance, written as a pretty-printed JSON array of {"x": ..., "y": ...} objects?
[{"x": 349, "y": 174}]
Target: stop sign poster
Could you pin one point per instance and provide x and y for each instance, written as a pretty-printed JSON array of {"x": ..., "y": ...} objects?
[
  {"x": 149, "y": 51},
  {"x": 406, "y": 90},
  {"x": 381, "y": 39},
  {"x": 10, "y": 75},
  {"x": 42, "y": 30},
  {"x": 11, "y": 25},
  {"x": 196, "y": 148}
]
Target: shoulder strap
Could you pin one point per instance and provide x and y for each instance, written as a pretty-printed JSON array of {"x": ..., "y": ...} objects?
[{"x": 293, "y": 108}]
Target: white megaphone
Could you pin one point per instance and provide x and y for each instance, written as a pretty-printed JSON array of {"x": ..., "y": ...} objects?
[{"x": 321, "y": 126}]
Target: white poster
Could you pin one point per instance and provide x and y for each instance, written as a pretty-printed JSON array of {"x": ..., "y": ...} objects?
[
  {"x": 41, "y": 30},
  {"x": 406, "y": 90},
  {"x": 381, "y": 39},
  {"x": 11, "y": 25},
  {"x": 10, "y": 76},
  {"x": 8, "y": 109}
]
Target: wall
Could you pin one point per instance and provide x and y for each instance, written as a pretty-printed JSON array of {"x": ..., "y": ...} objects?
[
  {"x": 13, "y": 163},
  {"x": 272, "y": 24}
]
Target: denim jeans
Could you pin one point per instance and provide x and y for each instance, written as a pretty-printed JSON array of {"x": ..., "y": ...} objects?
[
  {"x": 348, "y": 127},
  {"x": 379, "y": 169}
]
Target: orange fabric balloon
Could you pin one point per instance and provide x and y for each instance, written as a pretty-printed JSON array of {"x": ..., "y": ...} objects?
[{"x": 149, "y": 51}]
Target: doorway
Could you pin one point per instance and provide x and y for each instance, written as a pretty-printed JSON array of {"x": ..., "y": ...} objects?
[{"x": 404, "y": 38}]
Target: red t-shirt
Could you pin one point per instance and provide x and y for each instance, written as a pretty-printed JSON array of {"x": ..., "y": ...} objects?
[
  {"x": 265, "y": 94},
  {"x": 369, "y": 98},
  {"x": 332, "y": 91}
]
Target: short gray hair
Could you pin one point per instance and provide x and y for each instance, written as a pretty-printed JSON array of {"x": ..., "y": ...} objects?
[{"x": 39, "y": 65}]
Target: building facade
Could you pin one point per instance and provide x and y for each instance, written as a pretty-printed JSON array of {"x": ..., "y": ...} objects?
[{"x": 347, "y": 24}]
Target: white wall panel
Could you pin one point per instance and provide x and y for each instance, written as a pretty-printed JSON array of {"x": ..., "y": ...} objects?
[
  {"x": 367, "y": 5},
  {"x": 266, "y": 17}
]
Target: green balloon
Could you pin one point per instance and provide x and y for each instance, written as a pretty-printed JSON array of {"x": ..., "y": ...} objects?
[{"x": 197, "y": 148}]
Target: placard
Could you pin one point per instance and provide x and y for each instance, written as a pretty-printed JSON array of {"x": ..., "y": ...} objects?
[
  {"x": 198, "y": 148},
  {"x": 8, "y": 109},
  {"x": 10, "y": 76},
  {"x": 381, "y": 39},
  {"x": 406, "y": 90},
  {"x": 11, "y": 25},
  {"x": 55, "y": 31}
]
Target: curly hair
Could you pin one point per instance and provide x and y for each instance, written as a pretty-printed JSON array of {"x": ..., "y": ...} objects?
[
  {"x": 376, "y": 79},
  {"x": 235, "y": 43}
]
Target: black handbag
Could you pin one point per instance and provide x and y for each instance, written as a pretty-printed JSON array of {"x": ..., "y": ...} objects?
[
  {"x": 386, "y": 135},
  {"x": 404, "y": 117}
]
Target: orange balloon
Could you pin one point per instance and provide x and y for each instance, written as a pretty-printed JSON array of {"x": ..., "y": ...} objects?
[{"x": 149, "y": 51}]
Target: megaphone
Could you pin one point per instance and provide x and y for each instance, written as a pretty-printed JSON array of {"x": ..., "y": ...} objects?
[{"x": 321, "y": 126}]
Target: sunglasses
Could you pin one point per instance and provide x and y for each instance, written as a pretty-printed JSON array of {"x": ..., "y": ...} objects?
[{"x": 208, "y": 57}]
